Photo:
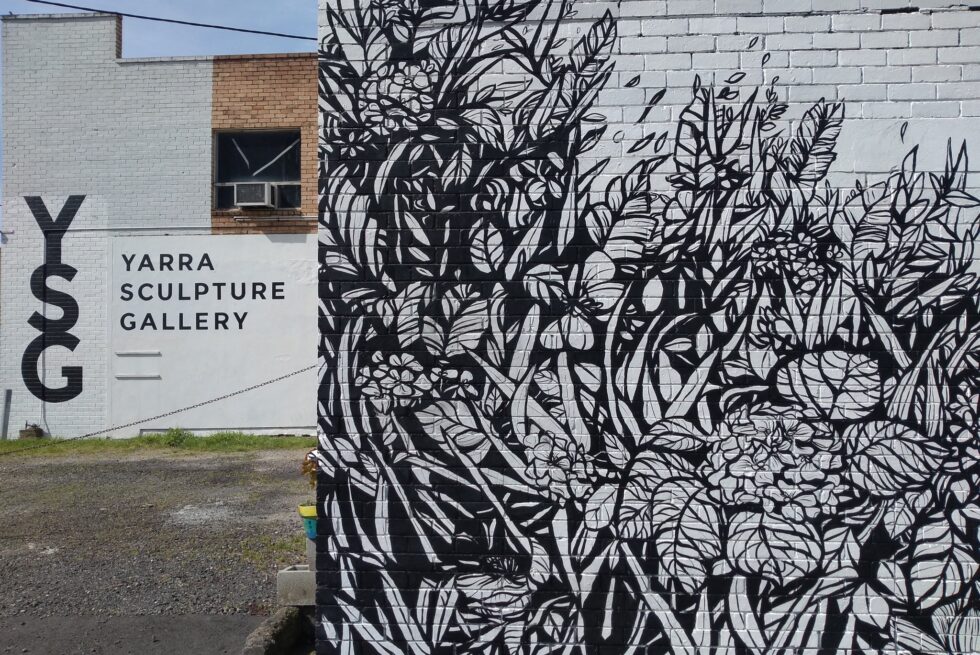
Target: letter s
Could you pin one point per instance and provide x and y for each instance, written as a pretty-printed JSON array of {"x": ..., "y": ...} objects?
[
  {"x": 54, "y": 332},
  {"x": 49, "y": 296}
]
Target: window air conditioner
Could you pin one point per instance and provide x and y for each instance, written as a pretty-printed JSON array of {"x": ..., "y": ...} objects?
[{"x": 253, "y": 194}]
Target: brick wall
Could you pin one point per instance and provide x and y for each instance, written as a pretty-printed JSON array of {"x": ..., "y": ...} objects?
[
  {"x": 269, "y": 92},
  {"x": 649, "y": 326}
]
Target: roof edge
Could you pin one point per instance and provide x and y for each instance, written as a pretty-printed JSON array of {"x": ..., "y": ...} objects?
[{"x": 67, "y": 15}]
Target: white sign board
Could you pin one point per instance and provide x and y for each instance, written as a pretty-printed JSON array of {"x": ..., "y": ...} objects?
[{"x": 196, "y": 317}]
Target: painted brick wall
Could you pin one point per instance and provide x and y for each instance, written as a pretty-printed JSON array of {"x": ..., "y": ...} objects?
[
  {"x": 269, "y": 92},
  {"x": 649, "y": 326},
  {"x": 133, "y": 137}
]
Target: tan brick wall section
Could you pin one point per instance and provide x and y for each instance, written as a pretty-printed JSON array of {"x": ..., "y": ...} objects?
[{"x": 269, "y": 92}]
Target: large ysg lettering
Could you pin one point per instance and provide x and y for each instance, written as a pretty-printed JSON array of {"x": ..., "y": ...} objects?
[{"x": 54, "y": 331}]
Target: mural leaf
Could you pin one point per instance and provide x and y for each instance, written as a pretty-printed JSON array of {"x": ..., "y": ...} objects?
[
  {"x": 676, "y": 435},
  {"x": 497, "y": 333},
  {"x": 685, "y": 531},
  {"x": 837, "y": 385},
  {"x": 600, "y": 508},
  {"x": 638, "y": 514},
  {"x": 544, "y": 283},
  {"x": 772, "y": 547},
  {"x": 407, "y": 312},
  {"x": 941, "y": 564},
  {"x": 812, "y": 150},
  {"x": 487, "y": 248},
  {"x": 590, "y": 53},
  {"x": 452, "y": 420},
  {"x": 487, "y": 124},
  {"x": 889, "y": 459}
]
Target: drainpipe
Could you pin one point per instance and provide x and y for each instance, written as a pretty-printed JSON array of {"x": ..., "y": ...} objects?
[{"x": 7, "y": 393}]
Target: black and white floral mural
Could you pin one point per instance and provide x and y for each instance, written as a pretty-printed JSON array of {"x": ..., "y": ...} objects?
[{"x": 711, "y": 404}]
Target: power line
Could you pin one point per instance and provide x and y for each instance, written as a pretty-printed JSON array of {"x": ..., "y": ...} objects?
[
  {"x": 54, "y": 442},
  {"x": 175, "y": 21}
]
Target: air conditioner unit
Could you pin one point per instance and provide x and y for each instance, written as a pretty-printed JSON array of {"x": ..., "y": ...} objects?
[{"x": 253, "y": 194}]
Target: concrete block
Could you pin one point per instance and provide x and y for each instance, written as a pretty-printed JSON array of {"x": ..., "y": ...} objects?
[{"x": 296, "y": 585}]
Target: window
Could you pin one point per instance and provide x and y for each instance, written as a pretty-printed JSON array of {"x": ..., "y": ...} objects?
[{"x": 258, "y": 156}]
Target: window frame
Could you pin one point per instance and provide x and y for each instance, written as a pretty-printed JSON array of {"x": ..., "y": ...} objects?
[{"x": 214, "y": 170}]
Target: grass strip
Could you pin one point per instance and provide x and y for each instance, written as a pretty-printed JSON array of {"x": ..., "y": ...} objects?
[{"x": 173, "y": 440}]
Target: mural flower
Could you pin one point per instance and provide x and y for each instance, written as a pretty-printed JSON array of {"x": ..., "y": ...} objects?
[
  {"x": 796, "y": 258},
  {"x": 778, "y": 459},
  {"x": 965, "y": 413},
  {"x": 589, "y": 295},
  {"x": 551, "y": 462},
  {"x": 398, "y": 95},
  {"x": 348, "y": 144},
  {"x": 455, "y": 383},
  {"x": 396, "y": 382}
]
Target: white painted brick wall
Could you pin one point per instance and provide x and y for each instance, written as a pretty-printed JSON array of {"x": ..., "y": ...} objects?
[
  {"x": 920, "y": 66},
  {"x": 134, "y": 137}
]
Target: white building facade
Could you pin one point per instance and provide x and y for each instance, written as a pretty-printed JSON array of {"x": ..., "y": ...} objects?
[{"x": 122, "y": 297}]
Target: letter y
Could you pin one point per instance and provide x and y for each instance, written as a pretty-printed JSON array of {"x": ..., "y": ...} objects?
[{"x": 55, "y": 229}]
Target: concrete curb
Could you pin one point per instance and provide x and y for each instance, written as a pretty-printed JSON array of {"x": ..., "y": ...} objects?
[{"x": 277, "y": 634}]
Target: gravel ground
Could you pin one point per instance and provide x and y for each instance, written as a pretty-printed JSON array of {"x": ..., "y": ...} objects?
[
  {"x": 127, "y": 635},
  {"x": 150, "y": 533}
]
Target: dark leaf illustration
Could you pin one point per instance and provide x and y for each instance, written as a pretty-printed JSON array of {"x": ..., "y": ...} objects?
[
  {"x": 487, "y": 248},
  {"x": 642, "y": 143},
  {"x": 639, "y": 515},
  {"x": 600, "y": 508},
  {"x": 812, "y": 149},
  {"x": 590, "y": 53},
  {"x": 452, "y": 420},
  {"x": 653, "y": 102},
  {"x": 835, "y": 384},
  {"x": 779, "y": 551},
  {"x": 940, "y": 564},
  {"x": 675, "y": 435},
  {"x": 890, "y": 458},
  {"x": 684, "y": 525},
  {"x": 468, "y": 319}
]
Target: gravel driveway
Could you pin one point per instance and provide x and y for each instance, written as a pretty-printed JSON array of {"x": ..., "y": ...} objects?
[{"x": 151, "y": 533}]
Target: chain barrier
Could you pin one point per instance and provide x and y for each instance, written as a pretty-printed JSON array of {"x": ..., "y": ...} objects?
[{"x": 54, "y": 442}]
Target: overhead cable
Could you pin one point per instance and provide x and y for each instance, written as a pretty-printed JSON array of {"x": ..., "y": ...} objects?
[{"x": 176, "y": 21}]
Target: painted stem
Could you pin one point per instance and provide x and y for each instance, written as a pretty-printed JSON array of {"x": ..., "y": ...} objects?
[
  {"x": 680, "y": 642},
  {"x": 626, "y": 427},
  {"x": 508, "y": 388},
  {"x": 880, "y": 325},
  {"x": 695, "y": 385},
  {"x": 480, "y": 479}
]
